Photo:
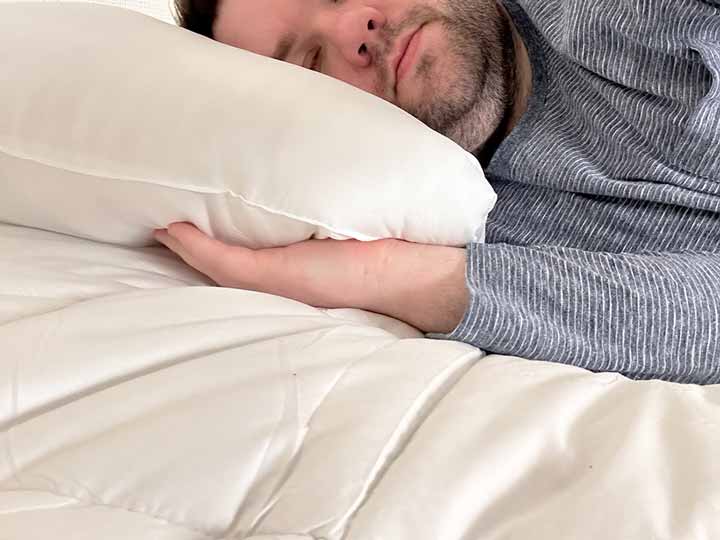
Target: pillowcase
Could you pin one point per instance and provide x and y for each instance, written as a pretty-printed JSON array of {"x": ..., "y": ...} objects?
[{"x": 113, "y": 123}]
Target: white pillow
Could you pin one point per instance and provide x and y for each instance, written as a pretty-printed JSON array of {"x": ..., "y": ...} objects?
[{"x": 113, "y": 123}]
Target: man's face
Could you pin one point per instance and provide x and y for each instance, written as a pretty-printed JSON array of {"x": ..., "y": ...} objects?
[{"x": 447, "y": 62}]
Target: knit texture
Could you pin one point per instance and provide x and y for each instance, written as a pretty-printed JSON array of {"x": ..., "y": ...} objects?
[{"x": 604, "y": 248}]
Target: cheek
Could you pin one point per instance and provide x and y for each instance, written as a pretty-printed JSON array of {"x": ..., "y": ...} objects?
[
  {"x": 435, "y": 71},
  {"x": 436, "y": 46}
]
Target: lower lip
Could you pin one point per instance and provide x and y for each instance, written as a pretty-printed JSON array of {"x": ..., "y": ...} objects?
[{"x": 410, "y": 54}]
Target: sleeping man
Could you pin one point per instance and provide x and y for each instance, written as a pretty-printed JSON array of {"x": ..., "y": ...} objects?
[{"x": 598, "y": 125}]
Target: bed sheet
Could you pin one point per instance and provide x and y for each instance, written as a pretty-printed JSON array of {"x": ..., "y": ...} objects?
[{"x": 138, "y": 401}]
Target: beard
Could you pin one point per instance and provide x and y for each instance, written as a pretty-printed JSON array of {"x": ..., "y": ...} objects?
[{"x": 467, "y": 93}]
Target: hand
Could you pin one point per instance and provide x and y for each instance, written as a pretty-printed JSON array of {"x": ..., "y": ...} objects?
[{"x": 420, "y": 284}]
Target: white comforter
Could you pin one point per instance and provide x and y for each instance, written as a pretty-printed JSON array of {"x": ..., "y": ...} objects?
[{"x": 136, "y": 402}]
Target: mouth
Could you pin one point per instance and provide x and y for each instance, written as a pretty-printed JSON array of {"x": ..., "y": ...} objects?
[{"x": 405, "y": 55}]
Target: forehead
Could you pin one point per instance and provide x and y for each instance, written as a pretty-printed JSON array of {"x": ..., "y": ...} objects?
[{"x": 255, "y": 25}]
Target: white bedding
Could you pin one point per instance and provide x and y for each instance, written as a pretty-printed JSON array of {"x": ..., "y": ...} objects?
[{"x": 138, "y": 402}]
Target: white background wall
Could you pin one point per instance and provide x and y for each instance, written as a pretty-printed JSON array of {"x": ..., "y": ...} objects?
[{"x": 156, "y": 8}]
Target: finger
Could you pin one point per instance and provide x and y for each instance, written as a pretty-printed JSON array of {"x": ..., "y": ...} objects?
[
  {"x": 197, "y": 243},
  {"x": 162, "y": 236},
  {"x": 227, "y": 265}
]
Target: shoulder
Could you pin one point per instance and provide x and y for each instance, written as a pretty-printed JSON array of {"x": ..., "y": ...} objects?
[{"x": 607, "y": 36}]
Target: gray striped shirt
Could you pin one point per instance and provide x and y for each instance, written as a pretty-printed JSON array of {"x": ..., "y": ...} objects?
[{"x": 604, "y": 248}]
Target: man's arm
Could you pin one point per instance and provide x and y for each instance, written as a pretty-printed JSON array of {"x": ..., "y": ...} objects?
[
  {"x": 420, "y": 284},
  {"x": 646, "y": 315}
]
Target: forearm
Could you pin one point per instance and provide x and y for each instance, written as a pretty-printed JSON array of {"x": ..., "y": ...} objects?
[{"x": 644, "y": 315}]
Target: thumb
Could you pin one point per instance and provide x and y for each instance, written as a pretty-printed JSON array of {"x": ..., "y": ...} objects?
[
  {"x": 194, "y": 241},
  {"x": 225, "y": 264},
  {"x": 195, "y": 247}
]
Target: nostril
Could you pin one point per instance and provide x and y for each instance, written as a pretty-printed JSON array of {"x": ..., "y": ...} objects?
[
  {"x": 371, "y": 25},
  {"x": 362, "y": 50}
]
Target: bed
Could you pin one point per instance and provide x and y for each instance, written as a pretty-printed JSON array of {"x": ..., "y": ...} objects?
[{"x": 140, "y": 401}]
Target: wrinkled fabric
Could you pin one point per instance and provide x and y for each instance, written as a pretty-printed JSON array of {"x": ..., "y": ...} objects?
[{"x": 137, "y": 401}]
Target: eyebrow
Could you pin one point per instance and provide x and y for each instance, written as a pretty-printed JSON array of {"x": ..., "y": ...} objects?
[{"x": 284, "y": 47}]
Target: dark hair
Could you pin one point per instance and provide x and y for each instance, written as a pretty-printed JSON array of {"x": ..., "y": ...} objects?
[{"x": 196, "y": 15}]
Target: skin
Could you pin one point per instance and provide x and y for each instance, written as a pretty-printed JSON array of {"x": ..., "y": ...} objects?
[{"x": 468, "y": 78}]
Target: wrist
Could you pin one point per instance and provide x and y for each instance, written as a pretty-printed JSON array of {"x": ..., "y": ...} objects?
[{"x": 425, "y": 287}]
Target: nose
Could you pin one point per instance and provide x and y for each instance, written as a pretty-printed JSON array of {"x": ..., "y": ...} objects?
[{"x": 356, "y": 32}]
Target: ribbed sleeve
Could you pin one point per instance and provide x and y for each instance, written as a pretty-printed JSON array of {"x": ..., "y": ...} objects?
[{"x": 646, "y": 315}]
